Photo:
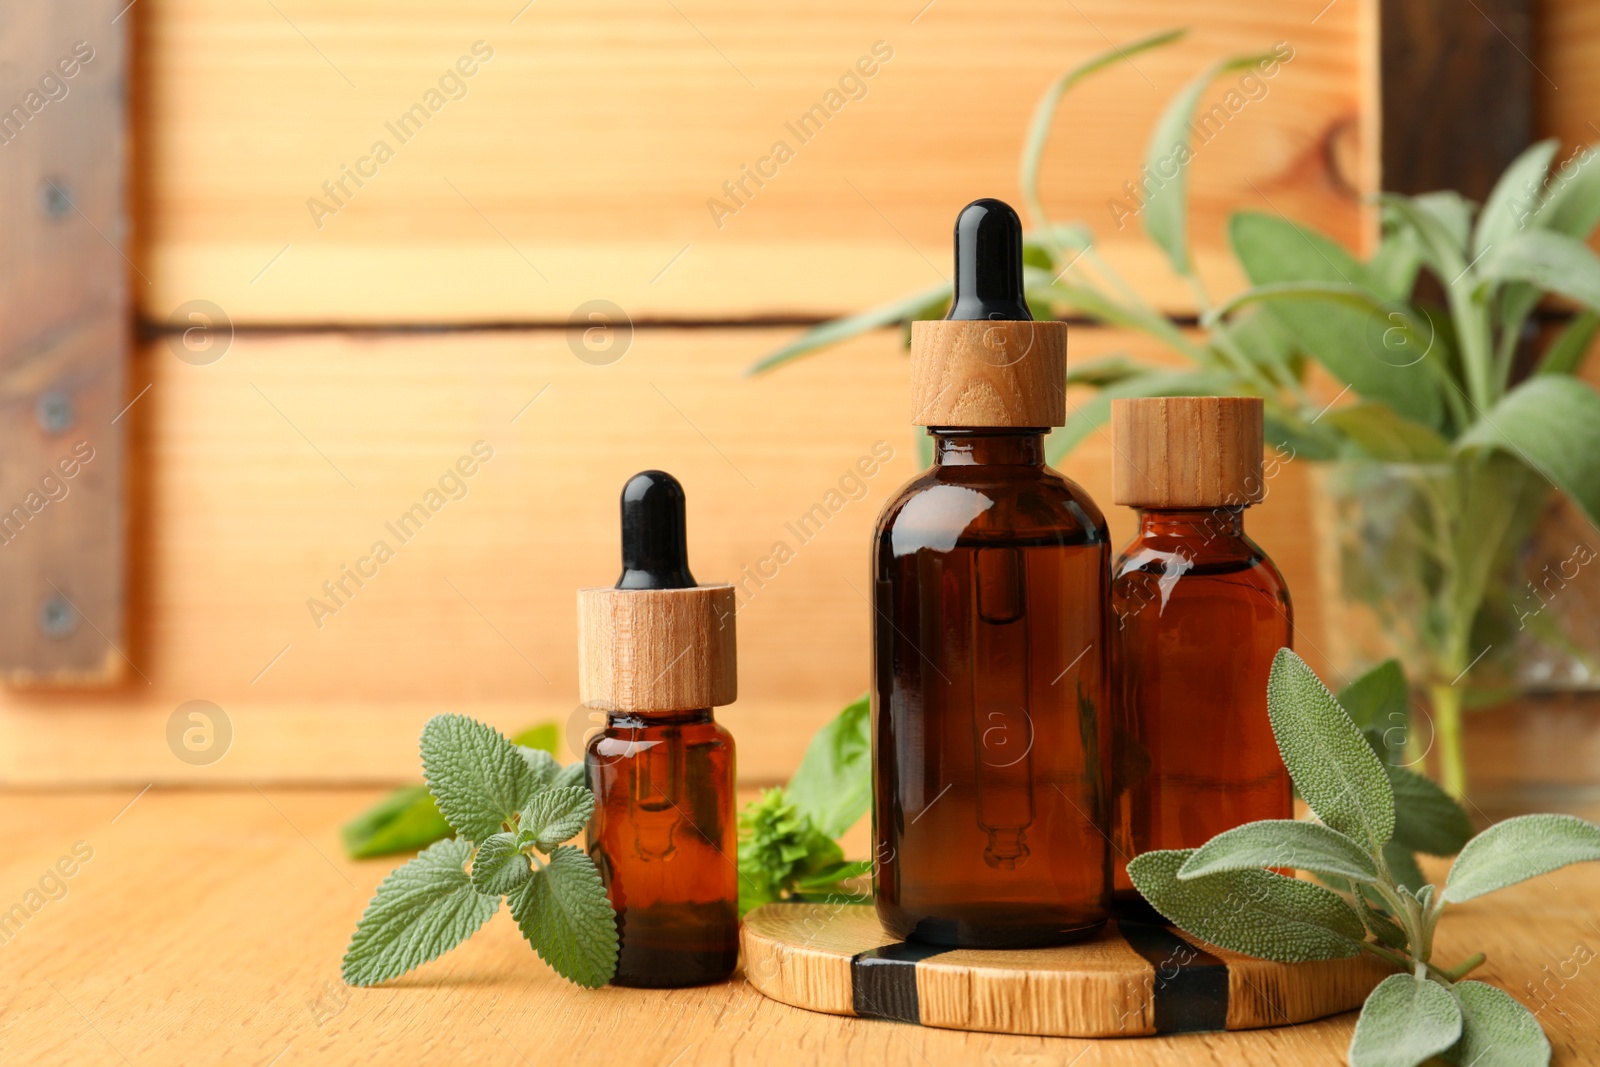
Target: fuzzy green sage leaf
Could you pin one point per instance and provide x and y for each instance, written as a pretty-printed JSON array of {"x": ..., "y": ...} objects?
[
  {"x": 1518, "y": 849},
  {"x": 1305, "y": 846},
  {"x": 1496, "y": 1030},
  {"x": 1405, "y": 1021},
  {"x": 1255, "y": 912},
  {"x": 1332, "y": 765}
]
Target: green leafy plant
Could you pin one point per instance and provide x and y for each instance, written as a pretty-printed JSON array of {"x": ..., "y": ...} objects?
[
  {"x": 1449, "y": 441},
  {"x": 1223, "y": 893},
  {"x": 787, "y": 846},
  {"x": 512, "y": 808},
  {"x": 408, "y": 819}
]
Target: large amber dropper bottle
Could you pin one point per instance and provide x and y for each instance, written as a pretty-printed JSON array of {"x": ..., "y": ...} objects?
[
  {"x": 989, "y": 603},
  {"x": 656, "y": 653},
  {"x": 1198, "y": 613}
]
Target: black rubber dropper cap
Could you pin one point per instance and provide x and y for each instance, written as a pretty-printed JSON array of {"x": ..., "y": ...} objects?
[
  {"x": 655, "y": 548},
  {"x": 989, "y": 263}
]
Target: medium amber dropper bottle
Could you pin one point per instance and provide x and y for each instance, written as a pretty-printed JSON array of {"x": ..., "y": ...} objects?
[
  {"x": 656, "y": 653},
  {"x": 989, "y": 673},
  {"x": 1198, "y": 613}
]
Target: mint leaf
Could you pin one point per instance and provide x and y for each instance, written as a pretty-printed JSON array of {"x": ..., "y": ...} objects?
[
  {"x": 572, "y": 776},
  {"x": 478, "y": 777},
  {"x": 1305, "y": 846},
  {"x": 404, "y": 821},
  {"x": 422, "y": 910},
  {"x": 1496, "y": 1030},
  {"x": 499, "y": 866},
  {"x": 1255, "y": 912},
  {"x": 833, "y": 784},
  {"x": 1330, "y": 762},
  {"x": 1403, "y": 867},
  {"x": 556, "y": 815},
  {"x": 1403, "y": 1022},
  {"x": 1518, "y": 849},
  {"x": 1426, "y": 818},
  {"x": 542, "y": 765},
  {"x": 564, "y": 913}
]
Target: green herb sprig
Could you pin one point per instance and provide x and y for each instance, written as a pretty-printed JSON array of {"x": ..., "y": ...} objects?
[
  {"x": 512, "y": 809},
  {"x": 787, "y": 846},
  {"x": 1368, "y": 816}
]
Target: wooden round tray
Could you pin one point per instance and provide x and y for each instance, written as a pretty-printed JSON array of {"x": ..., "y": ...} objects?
[{"x": 1135, "y": 978}]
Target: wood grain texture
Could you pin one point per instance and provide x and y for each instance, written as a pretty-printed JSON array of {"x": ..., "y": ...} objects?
[
  {"x": 657, "y": 649},
  {"x": 1186, "y": 452},
  {"x": 1464, "y": 138},
  {"x": 978, "y": 374},
  {"x": 63, "y": 342},
  {"x": 1097, "y": 988},
  {"x": 585, "y": 156},
  {"x": 207, "y": 928},
  {"x": 261, "y": 476}
]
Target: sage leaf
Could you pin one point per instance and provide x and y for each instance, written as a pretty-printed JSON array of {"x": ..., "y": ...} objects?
[
  {"x": 542, "y": 765},
  {"x": 499, "y": 866},
  {"x": 1273, "y": 250},
  {"x": 1403, "y": 867},
  {"x": 1166, "y": 207},
  {"x": 831, "y": 333},
  {"x": 1566, "y": 352},
  {"x": 1330, "y": 762},
  {"x": 1518, "y": 849},
  {"x": 1496, "y": 1030},
  {"x": 1384, "y": 928},
  {"x": 1515, "y": 198},
  {"x": 1547, "y": 260},
  {"x": 1379, "y": 697},
  {"x": 1404, "y": 1022},
  {"x": 478, "y": 777},
  {"x": 423, "y": 909},
  {"x": 1255, "y": 912},
  {"x": 565, "y": 915},
  {"x": 556, "y": 815},
  {"x": 833, "y": 784},
  {"x": 1571, "y": 202},
  {"x": 1380, "y": 433},
  {"x": 1552, "y": 423},
  {"x": 1305, "y": 846},
  {"x": 1426, "y": 818}
]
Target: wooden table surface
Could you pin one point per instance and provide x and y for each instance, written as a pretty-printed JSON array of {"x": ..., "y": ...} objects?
[{"x": 206, "y": 926}]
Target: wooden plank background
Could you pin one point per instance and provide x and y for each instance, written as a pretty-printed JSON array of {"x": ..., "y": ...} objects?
[{"x": 577, "y": 167}]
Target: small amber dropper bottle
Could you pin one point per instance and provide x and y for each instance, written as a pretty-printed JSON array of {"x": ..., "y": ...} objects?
[
  {"x": 1198, "y": 613},
  {"x": 989, "y": 605},
  {"x": 656, "y": 653}
]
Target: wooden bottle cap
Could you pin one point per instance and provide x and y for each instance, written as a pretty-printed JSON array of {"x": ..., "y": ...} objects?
[
  {"x": 1186, "y": 451},
  {"x": 645, "y": 650},
  {"x": 979, "y": 373}
]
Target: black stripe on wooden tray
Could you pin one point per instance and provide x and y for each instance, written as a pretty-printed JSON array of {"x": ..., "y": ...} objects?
[
  {"x": 883, "y": 981},
  {"x": 1191, "y": 985},
  {"x": 1190, "y": 990}
]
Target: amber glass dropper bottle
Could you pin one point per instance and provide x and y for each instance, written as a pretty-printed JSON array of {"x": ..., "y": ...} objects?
[
  {"x": 656, "y": 654},
  {"x": 989, "y": 605},
  {"x": 1198, "y": 612}
]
